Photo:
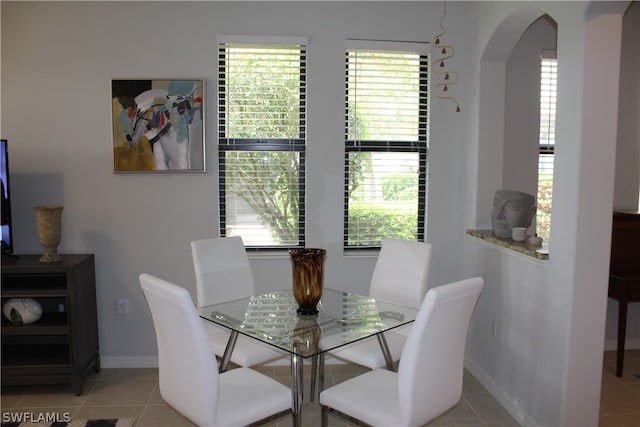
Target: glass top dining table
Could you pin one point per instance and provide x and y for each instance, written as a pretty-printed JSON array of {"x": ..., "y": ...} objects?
[{"x": 343, "y": 318}]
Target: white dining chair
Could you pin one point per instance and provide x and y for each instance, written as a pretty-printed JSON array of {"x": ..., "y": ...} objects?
[
  {"x": 400, "y": 276},
  {"x": 188, "y": 376},
  {"x": 223, "y": 273},
  {"x": 429, "y": 378}
]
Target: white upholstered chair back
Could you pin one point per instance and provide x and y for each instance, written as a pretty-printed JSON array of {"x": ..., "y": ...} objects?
[
  {"x": 222, "y": 268},
  {"x": 400, "y": 276},
  {"x": 432, "y": 361},
  {"x": 223, "y": 273},
  {"x": 401, "y": 272},
  {"x": 429, "y": 379},
  {"x": 188, "y": 374}
]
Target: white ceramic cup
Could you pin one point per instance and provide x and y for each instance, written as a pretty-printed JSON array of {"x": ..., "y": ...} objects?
[{"x": 519, "y": 234}]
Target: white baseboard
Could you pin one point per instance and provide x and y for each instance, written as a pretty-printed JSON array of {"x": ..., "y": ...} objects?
[
  {"x": 510, "y": 405},
  {"x": 111, "y": 362}
]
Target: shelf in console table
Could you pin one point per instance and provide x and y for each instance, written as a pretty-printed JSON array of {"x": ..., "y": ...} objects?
[{"x": 62, "y": 346}]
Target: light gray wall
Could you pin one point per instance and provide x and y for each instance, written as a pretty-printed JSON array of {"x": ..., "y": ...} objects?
[
  {"x": 551, "y": 377},
  {"x": 522, "y": 107},
  {"x": 57, "y": 62},
  {"x": 517, "y": 286}
]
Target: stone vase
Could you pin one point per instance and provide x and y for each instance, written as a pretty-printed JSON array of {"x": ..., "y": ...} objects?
[
  {"x": 49, "y": 225},
  {"x": 308, "y": 278}
]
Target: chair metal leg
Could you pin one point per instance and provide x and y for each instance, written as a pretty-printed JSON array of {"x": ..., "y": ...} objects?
[
  {"x": 352, "y": 420},
  {"x": 385, "y": 351},
  {"x": 325, "y": 416},
  {"x": 226, "y": 357},
  {"x": 314, "y": 375},
  {"x": 321, "y": 373},
  {"x": 296, "y": 389},
  {"x": 271, "y": 418},
  {"x": 317, "y": 372}
]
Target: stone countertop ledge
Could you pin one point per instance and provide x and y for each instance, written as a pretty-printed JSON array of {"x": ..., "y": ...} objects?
[{"x": 522, "y": 247}]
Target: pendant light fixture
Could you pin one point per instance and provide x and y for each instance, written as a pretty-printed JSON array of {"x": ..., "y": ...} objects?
[{"x": 445, "y": 77}]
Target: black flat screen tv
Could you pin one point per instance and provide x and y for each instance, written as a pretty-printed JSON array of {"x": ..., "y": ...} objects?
[{"x": 7, "y": 237}]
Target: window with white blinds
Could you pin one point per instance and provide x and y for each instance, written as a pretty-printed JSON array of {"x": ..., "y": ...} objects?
[
  {"x": 548, "y": 91},
  {"x": 261, "y": 142},
  {"x": 386, "y": 129}
]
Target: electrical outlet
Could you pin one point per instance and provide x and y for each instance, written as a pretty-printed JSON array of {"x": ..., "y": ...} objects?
[{"x": 121, "y": 306}]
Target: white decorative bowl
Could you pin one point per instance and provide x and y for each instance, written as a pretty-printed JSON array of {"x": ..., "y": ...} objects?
[
  {"x": 535, "y": 241},
  {"x": 22, "y": 311}
]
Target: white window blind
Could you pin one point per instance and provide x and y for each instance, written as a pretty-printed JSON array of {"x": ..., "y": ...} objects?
[
  {"x": 386, "y": 96},
  {"x": 548, "y": 92},
  {"x": 261, "y": 141}
]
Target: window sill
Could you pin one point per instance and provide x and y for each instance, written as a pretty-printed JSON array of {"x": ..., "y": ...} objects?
[{"x": 523, "y": 248}]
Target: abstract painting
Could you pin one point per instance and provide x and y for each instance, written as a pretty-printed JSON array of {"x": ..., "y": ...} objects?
[{"x": 157, "y": 125}]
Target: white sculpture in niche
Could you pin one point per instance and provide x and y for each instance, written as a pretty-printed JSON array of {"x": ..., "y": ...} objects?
[
  {"x": 22, "y": 311},
  {"x": 511, "y": 209}
]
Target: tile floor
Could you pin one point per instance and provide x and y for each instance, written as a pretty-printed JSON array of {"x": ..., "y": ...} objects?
[
  {"x": 620, "y": 397},
  {"x": 133, "y": 393}
]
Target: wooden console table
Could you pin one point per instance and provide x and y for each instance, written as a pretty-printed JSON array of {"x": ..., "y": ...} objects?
[
  {"x": 624, "y": 272},
  {"x": 62, "y": 346}
]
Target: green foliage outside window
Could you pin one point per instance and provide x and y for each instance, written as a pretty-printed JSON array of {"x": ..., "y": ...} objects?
[
  {"x": 400, "y": 187},
  {"x": 369, "y": 222},
  {"x": 262, "y": 106},
  {"x": 543, "y": 213},
  {"x": 262, "y": 103},
  {"x": 268, "y": 182}
]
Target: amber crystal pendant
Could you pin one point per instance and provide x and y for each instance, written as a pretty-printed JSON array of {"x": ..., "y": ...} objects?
[{"x": 308, "y": 277}]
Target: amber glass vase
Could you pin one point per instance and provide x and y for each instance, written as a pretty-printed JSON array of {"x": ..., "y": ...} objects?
[{"x": 308, "y": 277}]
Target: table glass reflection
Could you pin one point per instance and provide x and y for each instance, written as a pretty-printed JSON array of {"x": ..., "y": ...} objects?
[{"x": 343, "y": 319}]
